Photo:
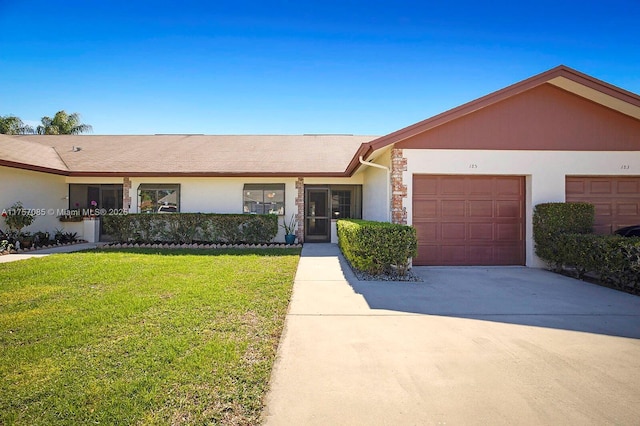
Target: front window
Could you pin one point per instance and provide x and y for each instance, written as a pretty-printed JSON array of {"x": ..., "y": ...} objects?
[
  {"x": 157, "y": 198},
  {"x": 263, "y": 198}
]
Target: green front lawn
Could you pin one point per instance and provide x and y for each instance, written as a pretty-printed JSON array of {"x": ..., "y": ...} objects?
[{"x": 140, "y": 337}]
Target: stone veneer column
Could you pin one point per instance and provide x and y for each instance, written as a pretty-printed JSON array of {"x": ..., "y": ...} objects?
[
  {"x": 398, "y": 189},
  {"x": 126, "y": 193},
  {"x": 300, "y": 205}
]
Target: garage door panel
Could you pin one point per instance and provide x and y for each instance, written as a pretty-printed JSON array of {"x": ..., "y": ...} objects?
[
  {"x": 424, "y": 187},
  {"x": 627, "y": 209},
  {"x": 480, "y": 187},
  {"x": 453, "y": 254},
  {"x": 600, "y": 187},
  {"x": 451, "y": 186},
  {"x": 575, "y": 187},
  {"x": 480, "y": 208},
  {"x": 429, "y": 254},
  {"x": 480, "y": 220},
  {"x": 480, "y": 254},
  {"x": 426, "y": 231},
  {"x": 602, "y": 209},
  {"x": 509, "y": 186},
  {"x": 480, "y": 231},
  {"x": 453, "y": 231},
  {"x": 509, "y": 209},
  {"x": 508, "y": 231},
  {"x": 452, "y": 208},
  {"x": 508, "y": 253},
  {"x": 628, "y": 187},
  {"x": 616, "y": 199},
  {"x": 429, "y": 207}
]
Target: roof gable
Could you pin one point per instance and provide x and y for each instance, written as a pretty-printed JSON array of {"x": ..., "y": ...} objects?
[
  {"x": 543, "y": 118},
  {"x": 562, "y": 76}
]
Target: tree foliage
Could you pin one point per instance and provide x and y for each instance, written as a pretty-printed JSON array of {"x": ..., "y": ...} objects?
[
  {"x": 12, "y": 125},
  {"x": 62, "y": 124}
]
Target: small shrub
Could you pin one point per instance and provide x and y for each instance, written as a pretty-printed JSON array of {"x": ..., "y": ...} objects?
[
  {"x": 65, "y": 237},
  {"x": 550, "y": 220},
  {"x": 17, "y": 217},
  {"x": 5, "y": 245},
  {"x": 377, "y": 247},
  {"x": 41, "y": 238}
]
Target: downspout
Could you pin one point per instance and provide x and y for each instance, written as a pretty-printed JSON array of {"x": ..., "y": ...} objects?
[{"x": 388, "y": 170}]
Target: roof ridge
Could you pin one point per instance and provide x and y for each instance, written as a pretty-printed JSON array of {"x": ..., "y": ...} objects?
[{"x": 60, "y": 157}]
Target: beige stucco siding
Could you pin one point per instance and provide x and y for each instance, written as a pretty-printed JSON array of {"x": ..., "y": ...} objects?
[
  {"x": 375, "y": 194},
  {"x": 43, "y": 192},
  {"x": 217, "y": 195}
]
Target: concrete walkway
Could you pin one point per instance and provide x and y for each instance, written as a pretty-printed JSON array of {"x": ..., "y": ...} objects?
[
  {"x": 472, "y": 346},
  {"x": 45, "y": 252}
]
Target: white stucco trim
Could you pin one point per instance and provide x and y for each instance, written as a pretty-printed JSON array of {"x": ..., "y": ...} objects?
[{"x": 544, "y": 172}]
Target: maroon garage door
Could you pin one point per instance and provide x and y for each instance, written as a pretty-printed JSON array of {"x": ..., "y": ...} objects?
[
  {"x": 616, "y": 199},
  {"x": 469, "y": 220}
]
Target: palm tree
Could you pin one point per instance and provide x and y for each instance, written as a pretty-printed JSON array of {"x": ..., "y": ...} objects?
[
  {"x": 63, "y": 124},
  {"x": 12, "y": 125}
]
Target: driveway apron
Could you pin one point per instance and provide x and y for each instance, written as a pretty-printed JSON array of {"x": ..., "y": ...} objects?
[{"x": 498, "y": 346}]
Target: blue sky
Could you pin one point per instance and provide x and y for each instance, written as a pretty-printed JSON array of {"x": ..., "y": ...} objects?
[{"x": 293, "y": 67}]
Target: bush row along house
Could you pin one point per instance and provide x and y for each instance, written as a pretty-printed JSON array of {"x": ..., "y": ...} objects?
[{"x": 466, "y": 179}]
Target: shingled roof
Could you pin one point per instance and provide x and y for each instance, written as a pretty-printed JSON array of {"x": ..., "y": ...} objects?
[
  {"x": 182, "y": 155},
  {"x": 19, "y": 152}
]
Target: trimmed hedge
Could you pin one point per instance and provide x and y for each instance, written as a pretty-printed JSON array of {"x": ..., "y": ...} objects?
[
  {"x": 377, "y": 247},
  {"x": 613, "y": 259},
  {"x": 190, "y": 227},
  {"x": 550, "y": 220},
  {"x": 564, "y": 239}
]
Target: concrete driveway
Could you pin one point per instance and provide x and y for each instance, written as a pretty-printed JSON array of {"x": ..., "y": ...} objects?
[{"x": 466, "y": 346}]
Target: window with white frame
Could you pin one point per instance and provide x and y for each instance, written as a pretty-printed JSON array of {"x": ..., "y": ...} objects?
[
  {"x": 263, "y": 198},
  {"x": 158, "y": 198}
]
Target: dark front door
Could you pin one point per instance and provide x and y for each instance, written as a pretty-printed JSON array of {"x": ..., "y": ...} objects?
[
  {"x": 106, "y": 197},
  {"x": 317, "y": 221}
]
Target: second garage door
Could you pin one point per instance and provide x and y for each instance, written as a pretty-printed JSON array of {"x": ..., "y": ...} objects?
[
  {"x": 616, "y": 199},
  {"x": 469, "y": 220}
]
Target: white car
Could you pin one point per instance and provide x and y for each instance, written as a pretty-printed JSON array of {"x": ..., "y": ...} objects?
[{"x": 168, "y": 209}]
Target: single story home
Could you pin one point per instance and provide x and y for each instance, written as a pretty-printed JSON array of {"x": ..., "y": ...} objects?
[{"x": 467, "y": 179}]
